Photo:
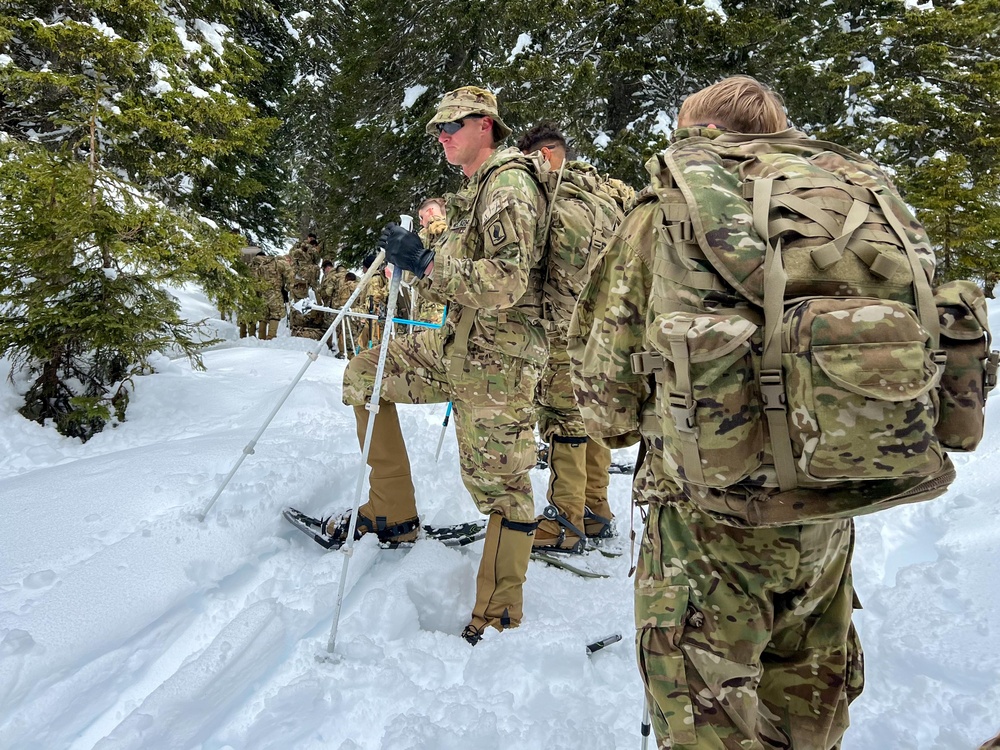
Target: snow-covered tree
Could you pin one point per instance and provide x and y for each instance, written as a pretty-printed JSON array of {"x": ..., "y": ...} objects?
[{"x": 126, "y": 164}]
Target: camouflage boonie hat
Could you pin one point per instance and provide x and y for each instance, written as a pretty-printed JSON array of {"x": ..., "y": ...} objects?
[{"x": 468, "y": 100}]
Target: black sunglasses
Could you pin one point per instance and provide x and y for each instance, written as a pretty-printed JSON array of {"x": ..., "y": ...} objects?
[{"x": 455, "y": 125}]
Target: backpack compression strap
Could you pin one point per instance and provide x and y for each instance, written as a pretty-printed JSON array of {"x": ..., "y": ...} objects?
[{"x": 772, "y": 382}]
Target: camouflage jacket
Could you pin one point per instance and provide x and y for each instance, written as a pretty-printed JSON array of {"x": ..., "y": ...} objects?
[
  {"x": 272, "y": 272},
  {"x": 376, "y": 293},
  {"x": 304, "y": 273},
  {"x": 488, "y": 261},
  {"x": 328, "y": 292}
]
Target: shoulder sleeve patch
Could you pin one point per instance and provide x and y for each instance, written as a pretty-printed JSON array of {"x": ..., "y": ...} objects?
[{"x": 496, "y": 232}]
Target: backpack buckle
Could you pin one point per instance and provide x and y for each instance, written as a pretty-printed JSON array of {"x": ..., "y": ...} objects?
[
  {"x": 644, "y": 363},
  {"x": 992, "y": 365},
  {"x": 682, "y": 412},
  {"x": 772, "y": 390}
]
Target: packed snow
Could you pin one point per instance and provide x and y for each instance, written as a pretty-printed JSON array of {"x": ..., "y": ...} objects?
[{"x": 127, "y": 623}]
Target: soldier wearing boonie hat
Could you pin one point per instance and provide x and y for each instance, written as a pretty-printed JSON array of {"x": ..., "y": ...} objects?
[
  {"x": 487, "y": 267},
  {"x": 466, "y": 101}
]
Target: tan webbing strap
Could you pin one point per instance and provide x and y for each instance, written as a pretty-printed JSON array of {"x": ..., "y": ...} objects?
[
  {"x": 597, "y": 236},
  {"x": 703, "y": 280},
  {"x": 772, "y": 383},
  {"x": 788, "y": 184},
  {"x": 460, "y": 345},
  {"x": 675, "y": 211},
  {"x": 926, "y": 310},
  {"x": 804, "y": 207},
  {"x": 548, "y": 226},
  {"x": 682, "y": 404},
  {"x": 829, "y": 253},
  {"x": 566, "y": 299},
  {"x": 879, "y": 263}
]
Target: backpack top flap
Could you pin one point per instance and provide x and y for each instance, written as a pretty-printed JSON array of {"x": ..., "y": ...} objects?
[{"x": 842, "y": 229}]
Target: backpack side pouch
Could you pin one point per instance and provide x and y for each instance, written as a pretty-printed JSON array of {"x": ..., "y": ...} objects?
[
  {"x": 860, "y": 382},
  {"x": 969, "y": 371},
  {"x": 707, "y": 397}
]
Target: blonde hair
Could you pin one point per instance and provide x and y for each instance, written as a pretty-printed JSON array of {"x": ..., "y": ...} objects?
[
  {"x": 741, "y": 104},
  {"x": 439, "y": 202}
]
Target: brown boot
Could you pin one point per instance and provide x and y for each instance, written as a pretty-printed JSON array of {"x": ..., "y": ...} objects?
[
  {"x": 272, "y": 328},
  {"x": 499, "y": 599},
  {"x": 391, "y": 507},
  {"x": 567, "y": 492},
  {"x": 598, "y": 516}
]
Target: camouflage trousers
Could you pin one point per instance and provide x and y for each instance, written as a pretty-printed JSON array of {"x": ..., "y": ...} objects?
[
  {"x": 744, "y": 636},
  {"x": 557, "y": 411},
  {"x": 493, "y": 413}
]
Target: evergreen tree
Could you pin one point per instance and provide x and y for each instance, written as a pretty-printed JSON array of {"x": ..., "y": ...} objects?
[
  {"x": 932, "y": 111},
  {"x": 124, "y": 148}
]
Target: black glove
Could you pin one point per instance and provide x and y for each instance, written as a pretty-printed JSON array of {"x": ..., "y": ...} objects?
[{"x": 405, "y": 250}]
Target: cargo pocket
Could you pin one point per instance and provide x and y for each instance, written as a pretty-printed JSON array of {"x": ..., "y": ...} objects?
[
  {"x": 707, "y": 397},
  {"x": 862, "y": 374},
  {"x": 970, "y": 369},
  {"x": 659, "y": 618}
]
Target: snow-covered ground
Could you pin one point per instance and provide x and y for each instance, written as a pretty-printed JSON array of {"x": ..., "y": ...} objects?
[{"x": 126, "y": 623}]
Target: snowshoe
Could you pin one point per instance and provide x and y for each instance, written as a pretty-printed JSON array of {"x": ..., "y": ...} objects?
[
  {"x": 577, "y": 564},
  {"x": 457, "y": 535},
  {"x": 621, "y": 467}
]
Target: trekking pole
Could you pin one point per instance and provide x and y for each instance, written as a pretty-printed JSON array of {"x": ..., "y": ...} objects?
[
  {"x": 373, "y": 406},
  {"x": 311, "y": 357},
  {"x": 645, "y": 726},
  {"x": 444, "y": 426}
]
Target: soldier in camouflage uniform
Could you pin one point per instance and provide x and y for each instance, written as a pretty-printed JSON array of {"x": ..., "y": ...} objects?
[
  {"x": 262, "y": 316},
  {"x": 744, "y": 635},
  {"x": 375, "y": 295},
  {"x": 432, "y": 225},
  {"x": 336, "y": 288},
  {"x": 578, "y": 467},
  {"x": 486, "y": 360},
  {"x": 304, "y": 260},
  {"x": 272, "y": 272}
]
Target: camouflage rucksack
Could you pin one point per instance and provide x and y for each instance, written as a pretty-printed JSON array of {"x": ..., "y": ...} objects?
[
  {"x": 805, "y": 368},
  {"x": 585, "y": 208}
]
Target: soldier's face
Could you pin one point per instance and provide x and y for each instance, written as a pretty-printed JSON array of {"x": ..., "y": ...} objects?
[
  {"x": 465, "y": 145},
  {"x": 428, "y": 214}
]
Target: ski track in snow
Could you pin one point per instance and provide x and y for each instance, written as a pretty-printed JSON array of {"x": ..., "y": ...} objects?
[{"x": 127, "y": 624}]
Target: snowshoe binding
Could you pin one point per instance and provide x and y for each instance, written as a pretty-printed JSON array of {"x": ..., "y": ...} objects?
[
  {"x": 331, "y": 532},
  {"x": 598, "y": 527},
  {"x": 558, "y": 544}
]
